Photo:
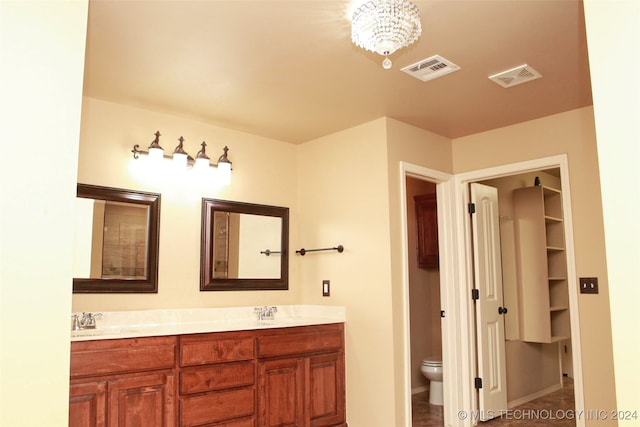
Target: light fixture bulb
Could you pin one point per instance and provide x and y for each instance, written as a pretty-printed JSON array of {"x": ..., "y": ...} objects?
[
  {"x": 156, "y": 154},
  {"x": 155, "y": 150},
  {"x": 386, "y": 64},
  {"x": 224, "y": 173},
  {"x": 224, "y": 168},
  {"x": 202, "y": 160},
  {"x": 180, "y": 160},
  {"x": 180, "y": 156}
]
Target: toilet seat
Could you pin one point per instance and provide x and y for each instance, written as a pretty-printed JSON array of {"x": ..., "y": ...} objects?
[{"x": 432, "y": 361}]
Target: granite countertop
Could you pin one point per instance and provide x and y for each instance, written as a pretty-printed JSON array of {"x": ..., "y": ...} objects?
[{"x": 148, "y": 323}]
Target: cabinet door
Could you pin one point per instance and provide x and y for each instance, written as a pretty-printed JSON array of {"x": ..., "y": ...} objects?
[
  {"x": 281, "y": 393},
  {"x": 326, "y": 390},
  {"x": 87, "y": 404},
  {"x": 141, "y": 401},
  {"x": 427, "y": 229}
]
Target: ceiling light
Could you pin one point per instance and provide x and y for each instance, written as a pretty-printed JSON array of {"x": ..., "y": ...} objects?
[{"x": 384, "y": 26}]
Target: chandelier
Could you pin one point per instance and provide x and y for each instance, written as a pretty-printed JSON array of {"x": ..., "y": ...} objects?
[{"x": 384, "y": 26}]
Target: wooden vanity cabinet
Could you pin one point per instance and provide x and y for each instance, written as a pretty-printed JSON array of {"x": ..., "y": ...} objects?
[
  {"x": 123, "y": 382},
  {"x": 301, "y": 377},
  {"x": 259, "y": 378},
  {"x": 217, "y": 379}
]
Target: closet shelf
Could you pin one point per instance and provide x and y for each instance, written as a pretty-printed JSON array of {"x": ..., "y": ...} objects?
[{"x": 549, "y": 219}]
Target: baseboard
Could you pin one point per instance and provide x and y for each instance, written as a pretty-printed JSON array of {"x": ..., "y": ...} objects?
[
  {"x": 420, "y": 389},
  {"x": 532, "y": 396}
]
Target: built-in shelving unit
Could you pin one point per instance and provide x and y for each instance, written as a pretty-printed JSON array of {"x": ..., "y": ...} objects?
[{"x": 542, "y": 265}]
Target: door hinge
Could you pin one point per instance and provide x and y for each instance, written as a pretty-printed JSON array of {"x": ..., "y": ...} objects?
[
  {"x": 475, "y": 294},
  {"x": 472, "y": 208},
  {"x": 441, "y": 313},
  {"x": 478, "y": 382}
]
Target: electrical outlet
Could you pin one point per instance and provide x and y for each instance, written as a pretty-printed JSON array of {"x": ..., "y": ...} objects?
[
  {"x": 326, "y": 288},
  {"x": 588, "y": 285}
]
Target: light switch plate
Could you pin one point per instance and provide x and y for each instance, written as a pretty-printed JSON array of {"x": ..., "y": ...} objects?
[
  {"x": 588, "y": 285},
  {"x": 326, "y": 288}
]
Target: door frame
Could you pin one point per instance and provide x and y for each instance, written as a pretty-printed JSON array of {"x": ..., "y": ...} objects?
[
  {"x": 455, "y": 379},
  {"x": 465, "y": 268},
  {"x": 456, "y": 270}
]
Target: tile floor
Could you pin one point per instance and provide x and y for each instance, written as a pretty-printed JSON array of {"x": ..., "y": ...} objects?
[{"x": 553, "y": 409}]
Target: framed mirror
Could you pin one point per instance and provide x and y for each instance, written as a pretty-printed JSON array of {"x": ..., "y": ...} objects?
[
  {"x": 116, "y": 241},
  {"x": 244, "y": 246}
]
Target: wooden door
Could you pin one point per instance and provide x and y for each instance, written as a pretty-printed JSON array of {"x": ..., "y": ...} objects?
[
  {"x": 281, "y": 393},
  {"x": 325, "y": 390},
  {"x": 87, "y": 404},
  {"x": 143, "y": 401},
  {"x": 489, "y": 309}
]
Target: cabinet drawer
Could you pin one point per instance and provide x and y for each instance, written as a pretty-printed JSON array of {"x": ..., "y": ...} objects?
[
  {"x": 201, "y": 350},
  {"x": 217, "y": 377},
  {"x": 218, "y": 406},
  {"x": 91, "y": 358},
  {"x": 245, "y": 422},
  {"x": 301, "y": 340}
]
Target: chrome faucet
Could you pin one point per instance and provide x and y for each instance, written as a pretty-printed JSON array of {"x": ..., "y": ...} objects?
[
  {"x": 87, "y": 321},
  {"x": 265, "y": 312}
]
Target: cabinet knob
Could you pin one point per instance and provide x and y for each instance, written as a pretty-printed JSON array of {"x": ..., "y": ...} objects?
[{"x": 502, "y": 310}]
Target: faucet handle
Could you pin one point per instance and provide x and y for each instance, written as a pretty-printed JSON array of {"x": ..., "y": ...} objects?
[
  {"x": 75, "y": 322},
  {"x": 92, "y": 319}
]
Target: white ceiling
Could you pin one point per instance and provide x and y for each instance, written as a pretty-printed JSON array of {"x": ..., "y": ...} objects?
[{"x": 288, "y": 70}]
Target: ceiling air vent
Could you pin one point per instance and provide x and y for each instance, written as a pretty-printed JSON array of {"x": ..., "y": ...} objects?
[
  {"x": 431, "y": 68},
  {"x": 515, "y": 76}
]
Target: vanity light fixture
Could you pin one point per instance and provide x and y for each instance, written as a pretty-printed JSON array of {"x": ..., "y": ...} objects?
[
  {"x": 384, "y": 26},
  {"x": 183, "y": 159}
]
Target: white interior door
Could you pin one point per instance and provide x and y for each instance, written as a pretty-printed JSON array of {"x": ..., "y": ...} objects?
[{"x": 489, "y": 306}]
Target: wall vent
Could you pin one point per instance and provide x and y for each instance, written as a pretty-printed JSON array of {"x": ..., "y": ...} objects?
[
  {"x": 515, "y": 76},
  {"x": 431, "y": 68}
]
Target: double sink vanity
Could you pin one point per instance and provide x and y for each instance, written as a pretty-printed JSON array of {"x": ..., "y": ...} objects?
[
  {"x": 218, "y": 367},
  {"x": 222, "y": 367}
]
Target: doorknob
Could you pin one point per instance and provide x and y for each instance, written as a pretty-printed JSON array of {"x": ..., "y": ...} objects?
[{"x": 502, "y": 310}]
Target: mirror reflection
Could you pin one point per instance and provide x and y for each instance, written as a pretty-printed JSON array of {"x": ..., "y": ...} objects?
[
  {"x": 116, "y": 244},
  {"x": 244, "y": 246},
  {"x": 111, "y": 240}
]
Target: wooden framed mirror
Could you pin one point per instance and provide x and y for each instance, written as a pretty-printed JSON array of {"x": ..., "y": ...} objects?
[
  {"x": 244, "y": 246},
  {"x": 116, "y": 241}
]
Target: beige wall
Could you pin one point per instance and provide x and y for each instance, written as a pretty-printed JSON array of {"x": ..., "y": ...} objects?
[
  {"x": 42, "y": 54},
  {"x": 342, "y": 201},
  {"x": 425, "y": 149},
  {"x": 613, "y": 37},
  {"x": 264, "y": 171},
  {"x": 573, "y": 133}
]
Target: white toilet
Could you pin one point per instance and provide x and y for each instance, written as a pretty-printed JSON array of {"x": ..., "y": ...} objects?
[{"x": 432, "y": 369}]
